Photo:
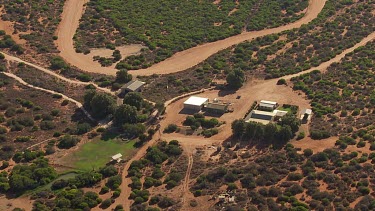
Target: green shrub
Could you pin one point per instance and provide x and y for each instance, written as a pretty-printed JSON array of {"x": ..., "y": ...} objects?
[{"x": 171, "y": 128}]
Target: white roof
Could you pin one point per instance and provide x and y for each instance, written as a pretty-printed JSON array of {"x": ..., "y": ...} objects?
[
  {"x": 268, "y": 102},
  {"x": 307, "y": 111},
  {"x": 197, "y": 101},
  {"x": 263, "y": 117},
  {"x": 280, "y": 112},
  {"x": 117, "y": 156}
]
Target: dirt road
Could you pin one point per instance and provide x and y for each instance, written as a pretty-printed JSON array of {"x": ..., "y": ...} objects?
[
  {"x": 50, "y": 72},
  {"x": 180, "y": 61},
  {"x": 78, "y": 104}
]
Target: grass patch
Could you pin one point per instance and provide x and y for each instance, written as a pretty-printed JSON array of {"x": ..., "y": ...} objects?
[
  {"x": 97, "y": 153},
  {"x": 289, "y": 109}
]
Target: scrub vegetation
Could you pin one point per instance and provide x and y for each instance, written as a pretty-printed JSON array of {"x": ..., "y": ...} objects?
[
  {"x": 340, "y": 25},
  {"x": 343, "y": 98},
  {"x": 167, "y": 27}
]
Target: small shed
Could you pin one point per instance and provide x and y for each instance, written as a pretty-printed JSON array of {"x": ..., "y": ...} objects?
[
  {"x": 195, "y": 103},
  {"x": 133, "y": 86},
  {"x": 267, "y": 105},
  {"x": 306, "y": 115},
  {"x": 117, "y": 157},
  {"x": 218, "y": 108}
]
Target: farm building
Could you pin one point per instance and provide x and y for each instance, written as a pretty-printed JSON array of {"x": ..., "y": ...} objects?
[
  {"x": 195, "y": 103},
  {"x": 306, "y": 115},
  {"x": 263, "y": 117},
  {"x": 267, "y": 105},
  {"x": 218, "y": 108},
  {"x": 133, "y": 86},
  {"x": 279, "y": 114}
]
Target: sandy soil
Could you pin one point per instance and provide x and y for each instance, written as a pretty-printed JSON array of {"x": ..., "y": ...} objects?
[
  {"x": 315, "y": 145},
  {"x": 7, "y": 26},
  {"x": 183, "y": 60},
  {"x": 125, "y": 51},
  {"x": 22, "y": 202}
]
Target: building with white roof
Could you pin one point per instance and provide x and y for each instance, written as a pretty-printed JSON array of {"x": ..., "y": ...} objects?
[
  {"x": 195, "y": 103},
  {"x": 267, "y": 105},
  {"x": 306, "y": 115},
  {"x": 117, "y": 157},
  {"x": 263, "y": 117}
]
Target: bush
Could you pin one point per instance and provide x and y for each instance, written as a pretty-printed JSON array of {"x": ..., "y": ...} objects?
[
  {"x": 308, "y": 152},
  {"x": 281, "y": 81},
  {"x": 106, "y": 203},
  {"x": 171, "y": 128},
  {"x": 301, "y": 135},
  {"x": 58, "y": 63},
  {"x": 104, "y": 190},
  {"x": 114, "y": 182},
  {"x": 47, "y": 125},
  {"x": 294, "y": 177},
  {"x": 361, "y": 144},
  {"x": 232, "y": 186},
  {"x": 116, "y": 194},
  {"x": 165, "y": 202},
  {"x": 193, "y": 203}
]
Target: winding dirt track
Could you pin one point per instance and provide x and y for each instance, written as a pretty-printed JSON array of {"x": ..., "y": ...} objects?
[
  {"x": 180, "y": 61},
  {"x": 78, "y": 104},
  {"x": 50, "y": 72}
]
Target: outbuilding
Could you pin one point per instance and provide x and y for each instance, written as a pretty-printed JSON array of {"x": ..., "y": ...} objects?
[
  {"x": 267, "y": 105},
  {"x": 263, "y": 117},
  {"x": 133, "y": 86},
  {"x": 117, "y": 157},
  {"x": 217, "y": 108},
  {"x": 195, "y": 103},
  {"x": 306, "y": 115}
]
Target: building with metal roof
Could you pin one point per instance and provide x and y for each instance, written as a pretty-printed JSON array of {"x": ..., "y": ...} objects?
[
  {"x": 133, "y": 86},
  {"x": 195, "y": 103},
  {"x": 267, "y": 105},
  {"x": 263, "y": 117}
]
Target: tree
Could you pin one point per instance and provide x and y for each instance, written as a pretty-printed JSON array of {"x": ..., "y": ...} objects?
[
  {"x": 67, "y": 142},
  {"x": 102, "y": 105},
  {"x": 270, "y": 131},
  {"x": 125, "y": 114},
  {"x": 133, "y": 130},
  {"x": 238, "y": 127},
  {"x": 292, "y": 121},
  {"x": 88, "y": 97},
  {"x": 122, "y": 76},
  {"x": 285, "y": 134},
  {"x": 134, "y": 99},
  {"x": 236, "y": 78}
]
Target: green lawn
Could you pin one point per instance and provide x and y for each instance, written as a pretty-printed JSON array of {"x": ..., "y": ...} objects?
[{"x": 97, "y": 153}]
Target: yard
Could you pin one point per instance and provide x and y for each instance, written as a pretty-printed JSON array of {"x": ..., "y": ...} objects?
[{"x": 97, "y": 153}]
